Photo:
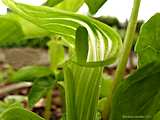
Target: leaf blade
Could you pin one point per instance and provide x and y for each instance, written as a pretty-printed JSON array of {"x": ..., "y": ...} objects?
[
  {"x": 147, "y": 46},
  {"x": 141, "y": 93},
  {"x": 39, "y": 88},
  {"x": 19, "y": 114},
  {"x": 30, "y": 73},
  {"x": 11, "y": 31},
  {"x": 94, "y": 5},
  {"x": 70, "y": 5},
  {"x": 52, "y": 3}
]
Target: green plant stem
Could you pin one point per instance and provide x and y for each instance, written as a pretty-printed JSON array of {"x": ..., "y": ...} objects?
[
  {"x": 48, "y": 104},
  {"x": 128, "y": 41}
]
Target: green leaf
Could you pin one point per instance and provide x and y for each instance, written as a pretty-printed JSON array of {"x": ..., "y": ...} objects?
[
  {"x": 56, "y": 54},
  {"x": 19, "y": 114},
  {"x": 104, "y": 43},
  {"x": 10, "y": 31},
  {"x": 70, "y": 5},
  {"x": 7, "y": 105},
  {"x": 147, "y": 46},
  {"x": 81, "y": 44},
  {"x": 81, "y": 91},
  {"x": 39, "y": 88},
  {"x": 30, "y": 73},
  {"x": 138, "y": 97},
  {"x": 94, "y": 5},
  {"x": 30, "y": 30},
  {"x": 157, "y": 116},
  {"x": 52, "y": 3},
  {"x": 15, "y": 30}
]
